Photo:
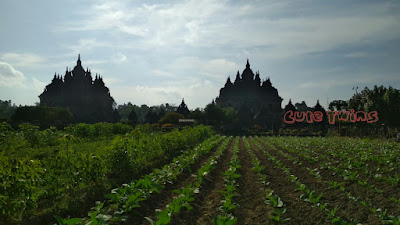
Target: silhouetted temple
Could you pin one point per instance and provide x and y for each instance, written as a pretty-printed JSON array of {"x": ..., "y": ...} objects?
[
  {"x": 89, "y": 100},
  {"x": 259, "y": 101},
  {"x": 183, "y": 109}
]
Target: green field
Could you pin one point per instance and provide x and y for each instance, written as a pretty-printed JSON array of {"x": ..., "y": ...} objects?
[{"x": 116, "y": 174}]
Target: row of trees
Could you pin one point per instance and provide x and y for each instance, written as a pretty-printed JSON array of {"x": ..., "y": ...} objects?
[
  {"x": 211, "y": 114},
  {"x": 386, "y": 101},
  {"x": 7, "y": 109}
]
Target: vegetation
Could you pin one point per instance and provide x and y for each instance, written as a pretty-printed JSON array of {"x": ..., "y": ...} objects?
[
  {"x": 51, "y": 172},
  {"x": 6, "y": 109},
  {"x": 42, "y": 116}
]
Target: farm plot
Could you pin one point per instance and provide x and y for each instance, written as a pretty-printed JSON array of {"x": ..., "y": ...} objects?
[{"x": 264, "y": 180}]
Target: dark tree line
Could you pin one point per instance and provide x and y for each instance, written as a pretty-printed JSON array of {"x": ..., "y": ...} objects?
[
  {"x": 7, "y": 109},
  {"x": 386, "y": 101}
]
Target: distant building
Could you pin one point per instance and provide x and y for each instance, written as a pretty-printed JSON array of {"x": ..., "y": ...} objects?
[
  {"x": 183, "y": 109},
  {"x": 89, "y": 100},
  {"x": 257, "y": 102}
]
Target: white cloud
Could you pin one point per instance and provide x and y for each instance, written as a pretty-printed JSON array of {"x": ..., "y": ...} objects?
[
  {"x": 85, "y": 45},
  {"x": 218, "y": 69},
  {"x": 211, "y": 23},
  {"x": 118, "y": 57},
  {"x": 357, "y": 55},
  {"x": 171, "y": 93},
  {"x": 162, "y": 73},
  {"x": 38, "y": 85},
  {"x": 22, "y": 60},
  {"x": 10, "y": 77}
]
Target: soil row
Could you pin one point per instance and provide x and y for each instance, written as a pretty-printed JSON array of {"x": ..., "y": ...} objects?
[
  {"x": 206, "y": 203},
  {"x": 160, "y": 200},
  {"x": 362, "y": 193},
  {"x": 348, "y": 210},
  {"x": 298, "y": 211}
]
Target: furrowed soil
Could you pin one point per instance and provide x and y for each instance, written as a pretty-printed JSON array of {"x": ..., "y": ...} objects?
[
  {"x": 389, "y": 190},
  {"x": 252, "y": 207},
  {"x": 362, "y": 193},
  {"x": 160, "y": 200},
  {"x": 347, "y": 209},
  {"x": 206, "y": 203},
  {"x": 298, "y": 211}
]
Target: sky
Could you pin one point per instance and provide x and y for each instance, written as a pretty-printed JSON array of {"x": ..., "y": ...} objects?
[{"x": 155, "y": 52}]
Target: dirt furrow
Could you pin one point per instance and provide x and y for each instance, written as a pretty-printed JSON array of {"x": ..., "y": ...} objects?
[
  {"x": 252, "y": 208},
  {"x": 158, "y": 201},
  {"x": 298, "y": 211},
  {"x": 388, "y": 189},
  {"x": 363, "y": 193},
  {"x": 206, "y": 203},
  {"x": 347, "y": 209}
]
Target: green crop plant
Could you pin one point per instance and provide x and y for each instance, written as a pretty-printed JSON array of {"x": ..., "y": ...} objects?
[
  {"x": 395, "y": 200},
  {"x": 336, "y": 185},
  {"x": 311, "y": 197},
  {"x": 276, "y": 215},
  {"x": 73, "y": 221},
  {"x": 20, "y": 180},
  {"x": 273, "y": 200},
  {"x": 395, "y": 220},
  {"x": 225, "y": 220}
]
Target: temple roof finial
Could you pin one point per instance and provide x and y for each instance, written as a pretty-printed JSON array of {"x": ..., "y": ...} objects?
[
  {"x": 79, "y": 60},
  {"x": 247, "y": 64}
]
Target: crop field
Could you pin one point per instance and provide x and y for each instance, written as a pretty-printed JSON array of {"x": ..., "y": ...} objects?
[
  {"x": 242, "y": 180},
  {"x": 263, "y": 180}
]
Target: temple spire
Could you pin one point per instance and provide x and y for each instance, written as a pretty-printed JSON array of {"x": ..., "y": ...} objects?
[
  {"x": 247, "y": 64},
  {"x": 79, "y": 60},
  {"x": 237, "y": 80}
]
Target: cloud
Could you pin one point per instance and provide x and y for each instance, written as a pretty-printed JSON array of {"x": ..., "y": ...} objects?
[
  {"x": 218, "y": 69},
  {"x": 118, "y": 57},
  {"x": 357, "y": 55},
  {"x": 22, "y": 60},
  {"x": 173, "y": 93},
  {"x": 10, "y": 77},
  {"x": 38, "y": 85},
  {"x": 85, "y": 45},
  {"x": 162, "y": 73},
  {"x": 284, "y": 29}
]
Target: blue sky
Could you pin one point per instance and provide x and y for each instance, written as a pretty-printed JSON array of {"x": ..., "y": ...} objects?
[{"x": 154, "y": 52}]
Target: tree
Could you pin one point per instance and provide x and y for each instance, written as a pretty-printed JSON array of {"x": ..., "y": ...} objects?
[
  {"x": 6, "y": 109},
  {"x": 213, "y": 114},
  {"x": 133, "y": 116},
  {"x": 42, "y": 115},
  {"x": 171, "y": 117},
  {"x": 338, "y": 105},
  {"x": 386, "y": 101}
]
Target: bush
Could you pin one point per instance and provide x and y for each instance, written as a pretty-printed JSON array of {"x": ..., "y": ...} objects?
[
  {"x": 171, "y": 117},
  {"x": 304, "y": 131},
  {"x": 19, "y": 179},
  {"x": 30, "y": 133},
  {"x": 42, "y": 116}
]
